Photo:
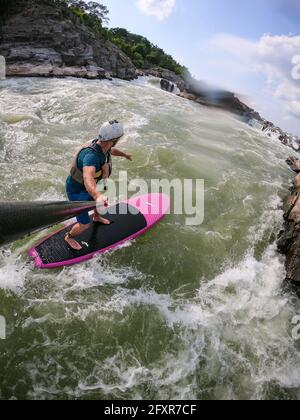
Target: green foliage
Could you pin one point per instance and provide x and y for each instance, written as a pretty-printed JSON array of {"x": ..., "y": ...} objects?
[
  {"x": 79, "y": 13},
  {"x": 142, "y": 53},
  {"x": 91, "y": 14},
  {"x": 138, "y": 60}
]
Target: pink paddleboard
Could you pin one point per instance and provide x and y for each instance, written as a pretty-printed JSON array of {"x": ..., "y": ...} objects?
[{"x": 128, "y": 221}]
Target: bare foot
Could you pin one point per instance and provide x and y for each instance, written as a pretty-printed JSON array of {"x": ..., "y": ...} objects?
[
  {"x": 99, "y": 219},
  {"x": 73, "y": 243}
]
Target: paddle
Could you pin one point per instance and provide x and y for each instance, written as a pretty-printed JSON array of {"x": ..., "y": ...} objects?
[{"x": 19, "y": 219}]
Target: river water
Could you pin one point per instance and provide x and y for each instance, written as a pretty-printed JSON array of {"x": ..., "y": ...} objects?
[{"x": 187, "y": 312}]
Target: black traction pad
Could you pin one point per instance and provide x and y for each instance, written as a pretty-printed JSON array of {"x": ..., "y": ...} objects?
[{"x": 97, "y": 237}]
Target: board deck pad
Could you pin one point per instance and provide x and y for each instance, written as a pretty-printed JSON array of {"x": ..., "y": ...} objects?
[{"x": 128, "y": 220}]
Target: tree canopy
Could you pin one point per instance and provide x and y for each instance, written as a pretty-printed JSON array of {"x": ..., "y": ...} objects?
[{"x": 142, "y": 52}]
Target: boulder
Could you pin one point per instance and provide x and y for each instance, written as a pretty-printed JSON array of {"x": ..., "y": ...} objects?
[
  {"x": 167, "y": 75},
  {"x": 167, "y": 85}
]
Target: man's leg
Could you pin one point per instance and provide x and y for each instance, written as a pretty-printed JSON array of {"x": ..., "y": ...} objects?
[
  {"x": 77, "y": 230},
  {"x": 83, "y": 220},
  {"x": 99, "y": 219}
]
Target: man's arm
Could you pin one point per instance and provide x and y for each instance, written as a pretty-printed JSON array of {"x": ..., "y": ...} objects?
[
  {"x": 119, "y": 153},
  {"x": 89, "y": 173}
]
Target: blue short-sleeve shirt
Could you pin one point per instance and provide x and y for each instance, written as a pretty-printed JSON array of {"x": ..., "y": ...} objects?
[{"x": 86, "y": 157}]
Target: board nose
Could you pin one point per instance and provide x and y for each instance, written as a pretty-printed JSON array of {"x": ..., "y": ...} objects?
[{"x": 152, "y": 206}]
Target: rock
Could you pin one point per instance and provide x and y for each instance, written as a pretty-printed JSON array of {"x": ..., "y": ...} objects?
[
  {"x": 289, "y": 239},
  {"x": 297, "y": 183},
  {"x": 108, "y": 75},
  {"x": 294, "y": 164},
  {"x": 43, "y": 39},
  {"x": 121, "y": 73},
  {"x": 139, "y": 73},
  {"x": 29, "y": 70},
  {"x": 48, "y": 70},
  {"x": 199, "y": 92},
  {"x": 96, "y": 72},
  {"x": 33, "y": 55},
  {"x": 294, "y": 215},
  {"x": 167, "y": 75},
  {"x": 218, "y": 98},
  {"x": 202, "y": 100},
  {"x": 289, "y": 245},
  {"x": 167, "y": 86},
  {"x": 59, "y": 72}
]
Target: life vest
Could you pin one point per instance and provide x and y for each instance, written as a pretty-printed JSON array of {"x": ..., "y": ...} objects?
[{"x": 77, "y": 174}]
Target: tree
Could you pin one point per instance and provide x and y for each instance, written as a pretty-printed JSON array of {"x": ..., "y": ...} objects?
[
  {"x": 91, "y": 13},
  {"x": 154, "y": 57},
  {"x": 138, "y": 60},
  {"x": 78, "y": 4},
  {"x": 98, "y": 11},
  {"x": 141, "y": 51}
]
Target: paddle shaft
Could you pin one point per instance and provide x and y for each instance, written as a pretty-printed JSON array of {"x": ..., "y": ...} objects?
[{"x": 19, "y": 219}]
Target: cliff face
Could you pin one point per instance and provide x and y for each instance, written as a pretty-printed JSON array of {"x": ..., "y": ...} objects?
[
  {"x": 289, "y": 240},
  {"x": 46, "y": 40}
]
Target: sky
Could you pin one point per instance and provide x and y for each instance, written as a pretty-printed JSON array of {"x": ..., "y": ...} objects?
[{"x": 251, "y": 48}]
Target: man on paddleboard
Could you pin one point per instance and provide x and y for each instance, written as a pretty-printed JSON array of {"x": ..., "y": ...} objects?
[{"x": 91, "y": 165}]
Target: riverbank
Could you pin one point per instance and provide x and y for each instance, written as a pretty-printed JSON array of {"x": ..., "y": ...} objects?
[{"x": 289, "y": 239}]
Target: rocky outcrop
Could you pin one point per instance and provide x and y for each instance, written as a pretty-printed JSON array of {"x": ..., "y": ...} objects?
[
  {"x": 167, "y": 86},
  {"x": 42, "y": 39},
  {"x": 167, "y": 75},
  {"x": 289, "y": 238},
  {"x": 277, "y": 133},
  {"x": 200, "y": 92},
  {"x": 208, "y": 95},
  {"x": 203, "y": 94}
]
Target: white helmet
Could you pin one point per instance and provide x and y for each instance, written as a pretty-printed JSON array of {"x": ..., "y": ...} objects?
[{"x": 111, "y": 130}]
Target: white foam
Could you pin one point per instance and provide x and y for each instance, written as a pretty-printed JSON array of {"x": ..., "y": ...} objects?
[
  {"x": 242, "y": 305},
  {"x": 96, "y": 272},
  {"x": 13, "y": 272}
]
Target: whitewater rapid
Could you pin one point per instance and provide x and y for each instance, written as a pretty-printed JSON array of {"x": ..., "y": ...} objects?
[{"x": 183, "y": 312}]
